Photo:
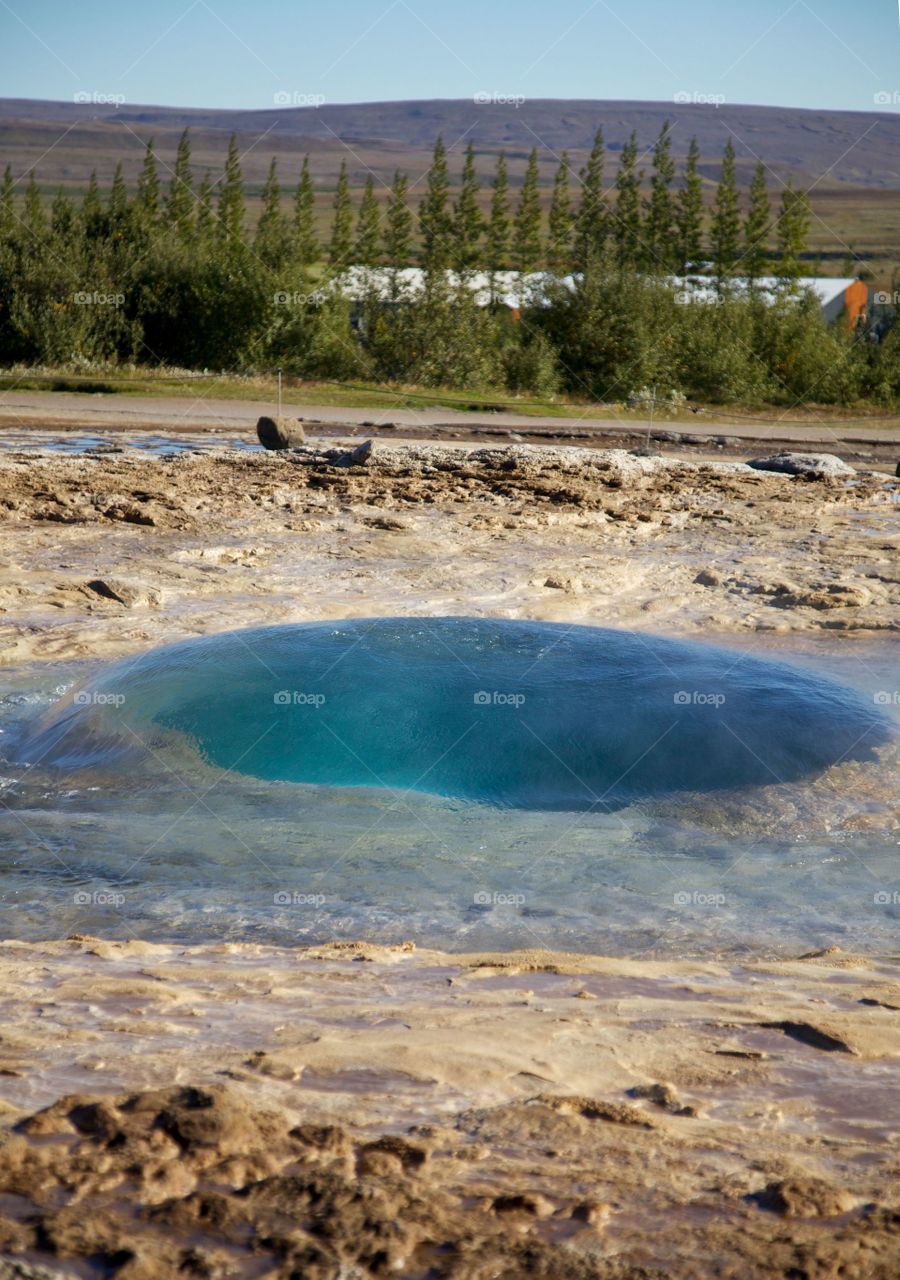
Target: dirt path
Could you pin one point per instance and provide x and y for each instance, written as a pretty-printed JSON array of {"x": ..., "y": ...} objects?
[{"x": 185, "y": 414}]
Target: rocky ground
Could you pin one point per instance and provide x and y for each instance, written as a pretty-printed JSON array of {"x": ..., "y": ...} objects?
[
  {"x": 105, "y": 553},
  {"x": 356, "y": 1111}
]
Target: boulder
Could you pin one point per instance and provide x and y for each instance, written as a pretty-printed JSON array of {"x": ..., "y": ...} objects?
[
  {"x": 812, "y": 465},
  {"x": 280, "y": 433}
]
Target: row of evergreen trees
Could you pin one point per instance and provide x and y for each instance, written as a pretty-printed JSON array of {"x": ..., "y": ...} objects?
[
  {"x": 175, "y": 276},
  {"x": 668, "y": 230}
]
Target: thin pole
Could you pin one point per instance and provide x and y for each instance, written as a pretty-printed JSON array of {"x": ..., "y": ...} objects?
[{"x": 278, "y": 371}]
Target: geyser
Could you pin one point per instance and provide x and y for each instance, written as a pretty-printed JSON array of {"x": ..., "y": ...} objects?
[{"x": 525, "y": 714}]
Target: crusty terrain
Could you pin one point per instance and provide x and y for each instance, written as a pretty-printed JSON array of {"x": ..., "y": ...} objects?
[
  {"x": 104, "y": 554},
  {"x": 365, "y": 1116}
]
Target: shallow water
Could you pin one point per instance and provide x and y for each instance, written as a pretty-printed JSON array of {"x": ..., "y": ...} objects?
[
  {"x": 103, "y": 443},
  {"x": 169, "y": 845}
]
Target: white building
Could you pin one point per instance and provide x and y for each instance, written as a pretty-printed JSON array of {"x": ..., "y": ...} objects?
[{"x": 516, "y": 291}]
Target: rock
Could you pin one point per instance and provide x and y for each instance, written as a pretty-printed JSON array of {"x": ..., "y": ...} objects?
[
  {"x": 11, "y": 1269},
  {"x": 663, "y": 1096},
  {"x": 836, "y": 595},
  {"x": 357, "y": 457},
  {"x": 595, "y": 1109},
  {"x": 806, "y": 1033},
  {"x": 811, "y": 465},
  {"x": 122, "y": 592},
  {"x": 280, "y": 433},
  {"x": 708, "y": 578},
  {"x": 591, "y": 1212},
  {"x": 390, "y": 523},
  {"x": 803, "y": 1198},
  {"x": 570, "y": 585},
  {"x": 532, "y": 1203}
]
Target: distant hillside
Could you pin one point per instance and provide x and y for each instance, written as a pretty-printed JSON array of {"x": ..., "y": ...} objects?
[{"x": 861, "y": 148}]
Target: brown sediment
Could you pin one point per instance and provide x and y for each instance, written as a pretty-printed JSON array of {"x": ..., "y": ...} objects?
[{"x": 240, "y": 1110}]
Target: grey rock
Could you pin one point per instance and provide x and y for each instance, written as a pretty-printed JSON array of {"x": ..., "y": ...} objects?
[
  {"x": 13, "y": 1269},
  {"x": 280, "y": 433},
  {"x": 357, "y": 457},
  {"x": 804, "y": 464}
]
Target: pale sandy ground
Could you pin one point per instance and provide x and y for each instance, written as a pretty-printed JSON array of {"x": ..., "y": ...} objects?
[
  {"x": 202, "y": 543},
  {"x": 359, "y": 1111}
]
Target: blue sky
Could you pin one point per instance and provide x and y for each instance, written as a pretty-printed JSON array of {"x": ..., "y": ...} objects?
[{"x": 230, "y": 53}]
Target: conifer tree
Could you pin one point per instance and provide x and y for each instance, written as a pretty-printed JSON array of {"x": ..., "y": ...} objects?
[
  {"x": 91, "y": 205},
  {"x": 725, "y": 232},
  {"x": 468, "y": 222},
  {"x": 497, "y": 240},
  {"x": 398, "y": 245},
  {"x": 627, "y": 224},
  {"x": 148, "y": 186},
  {"x": 559, "y": 221},
  {"x": 118, "y": 197},
  {"x": 271, "y": 230},
  {"x": 33, "y": 213},
  {"x": 756, "y": 227},
  {"x": 367, "y": 249},
  {"x": 340, "y": 243},
  {"x": 180, "y": 202},
  {"x": 62, "y": 215},
  {"x": 592, "y": 218},
  {"x": 658, "y": 249},
  {"x": 92, "y": 215},
  {"x": 7, "y": 208},
  {"x": 306, "y": 242},
  {"x": 231, "y": 195},
  {"x": 203, "y": 223},
  {"x": 689, "y": 214},
  {"x": 793, "y": 231},
  {"x": 527, "y": 226},
  {"x": 434, "y": 218}
]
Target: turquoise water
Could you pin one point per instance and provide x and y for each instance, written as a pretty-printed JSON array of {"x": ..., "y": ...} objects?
[{"x": 466, "y": 783}]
